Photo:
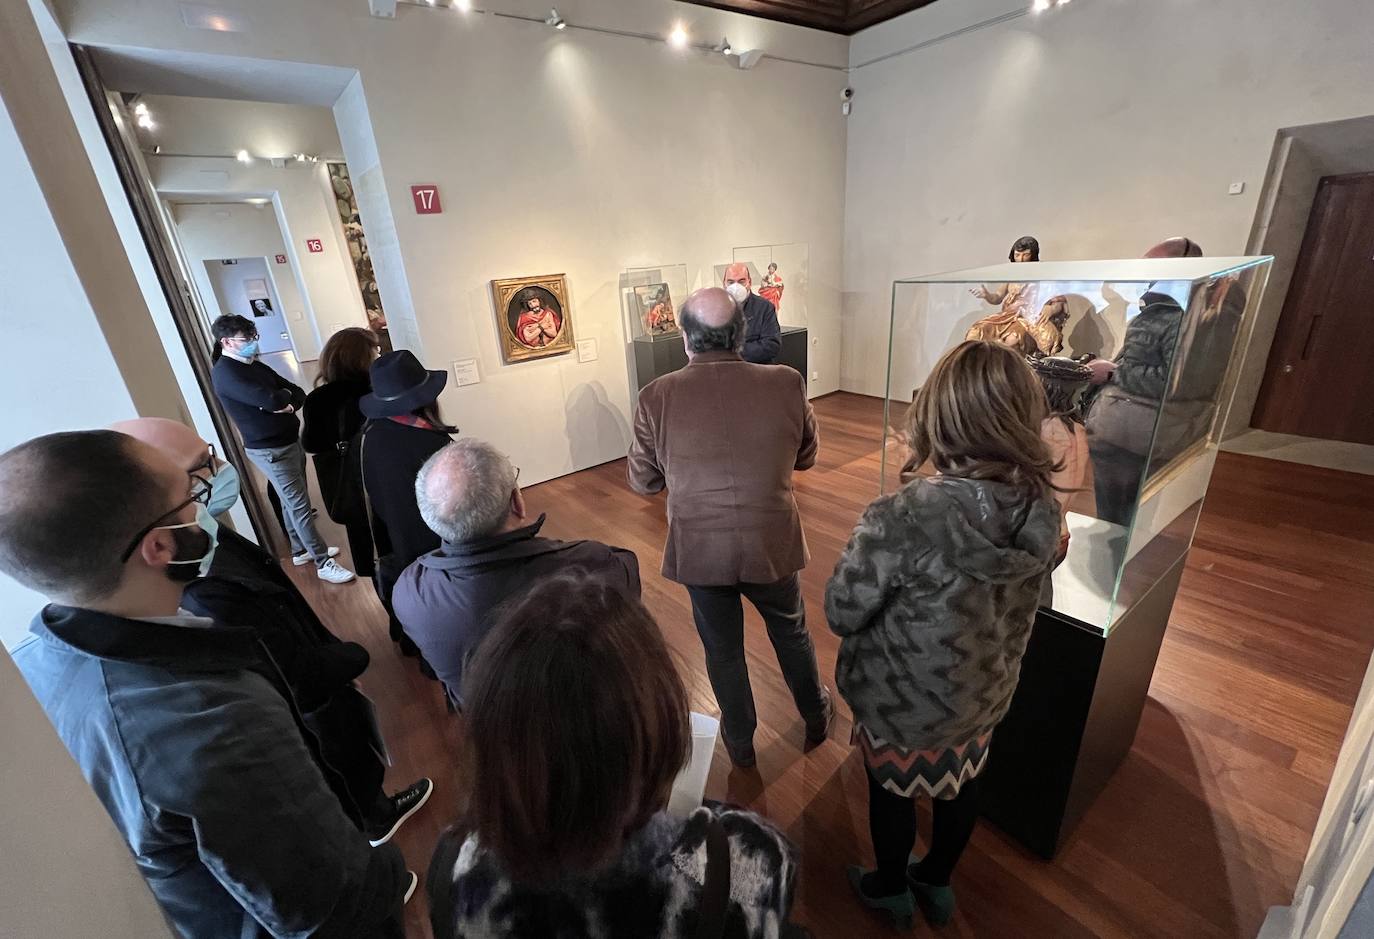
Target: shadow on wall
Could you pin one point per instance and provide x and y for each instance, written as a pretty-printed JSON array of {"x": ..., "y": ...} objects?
[{"x": 597, "y": 431}]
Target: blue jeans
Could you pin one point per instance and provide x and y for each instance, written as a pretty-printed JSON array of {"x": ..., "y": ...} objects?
[{"x": 284, "y": 467}]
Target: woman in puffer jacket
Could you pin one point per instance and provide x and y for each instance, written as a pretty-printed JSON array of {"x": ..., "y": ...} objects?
[{"x": 934, "y": 599}]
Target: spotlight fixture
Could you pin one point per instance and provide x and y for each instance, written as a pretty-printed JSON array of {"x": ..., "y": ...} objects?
[
  {"x": 1040, "y": 6},
  {"x": 1060, "y": 3},
  {"x": 463, "y": 6},
  {"x": 554, "y": 20},
  {"x": 243, "y": 157},
  {"x": 678, "y": 37},
  {"x": 725, "y": 48},
  {"x": 141, "y": 109},
  {"x": 300, "y": 157},
  {"x": 157, "y": 148},
  {"x": 146, "y": 122}
]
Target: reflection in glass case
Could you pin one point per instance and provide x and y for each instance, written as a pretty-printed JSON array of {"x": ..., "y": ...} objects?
[
  {"x": 781, "y": 275},
  {"x": 1140, "y": 445},
  {"x": 650, "y": 297}
]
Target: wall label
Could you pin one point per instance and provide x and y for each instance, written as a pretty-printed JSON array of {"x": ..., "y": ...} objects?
[
  {"x": 315, "y": 245},
  {"x": 281, "y": 259},
  {"x": 426, "y": 200}
]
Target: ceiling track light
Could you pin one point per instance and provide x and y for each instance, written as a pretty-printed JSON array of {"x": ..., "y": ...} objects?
[
  {"x": 678, "y": 37},
  {"x": 1040, "y": 6},
  {"x": 725, "y": 48},
  {"x": 462, "y": 6},
  {"x": 243, "y": 157},
  {"x": 554, "y": 20}
]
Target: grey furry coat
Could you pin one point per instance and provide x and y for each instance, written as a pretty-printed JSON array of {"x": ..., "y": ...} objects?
[{"x": 934, "y": 599}]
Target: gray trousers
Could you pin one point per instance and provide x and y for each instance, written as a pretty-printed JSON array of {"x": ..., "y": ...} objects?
[
  {"x": 284, "y": 467},
  {"x": 719, "y": 616}
]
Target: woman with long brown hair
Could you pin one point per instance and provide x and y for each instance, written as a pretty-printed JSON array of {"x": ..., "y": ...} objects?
[
  {"x": 576, "y": 725},
  {"x": 934, "y": 599},
  {"x": 332, "y": 420}
]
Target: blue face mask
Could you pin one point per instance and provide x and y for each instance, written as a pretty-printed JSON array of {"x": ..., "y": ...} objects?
[
  {"x": 207, "y": 524},
  {"x": 224, "y": 490},
  {"x": 247, "y": 350}
]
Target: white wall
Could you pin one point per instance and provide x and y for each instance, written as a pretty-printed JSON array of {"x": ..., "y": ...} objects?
[
  {"x": 1101, "y": 128},
  {"x": 232, "y": 295},
  {"x": 303, "y": 208},
  {"x": 215, "y": 126},
  {"x": 211, "y": 232},
  {"x": 569, "y": 152}
]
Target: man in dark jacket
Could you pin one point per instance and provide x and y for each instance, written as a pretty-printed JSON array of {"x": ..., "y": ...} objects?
[
  {"x": 491, "y": 552},
  {"x": 762, "y": 334},
  {"x": 181, "y": 726},
  {"x": 724, "y": 436},
  {"x": 263, "y": 406},
  {"x": 246, "y": 587}
]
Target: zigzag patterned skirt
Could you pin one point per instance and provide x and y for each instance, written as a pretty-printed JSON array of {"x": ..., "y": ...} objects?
[{"x": 936, "y": 773}]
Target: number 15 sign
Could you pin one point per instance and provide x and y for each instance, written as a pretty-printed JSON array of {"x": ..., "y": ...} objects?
[{"x": 426, "y": 200}]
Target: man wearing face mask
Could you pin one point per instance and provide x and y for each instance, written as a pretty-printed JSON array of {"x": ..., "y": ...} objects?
[
  {"x": 183, "y": 727},
  {"x": 762, "y": 335},
  {"x": 246, "y": 587},
  {"x": 263, "y": 406}
]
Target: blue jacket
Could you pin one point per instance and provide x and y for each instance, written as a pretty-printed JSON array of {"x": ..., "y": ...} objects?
[{"x": 188, "y": 738}]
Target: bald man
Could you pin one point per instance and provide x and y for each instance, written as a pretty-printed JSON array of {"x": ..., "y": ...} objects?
[
  {"x": 762, "y": 335},
  {"x": 724, "y": 436},
  {"x": 245, "y": 587}
]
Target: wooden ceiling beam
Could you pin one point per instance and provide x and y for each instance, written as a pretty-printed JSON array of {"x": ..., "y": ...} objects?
[{"x": 845, "y": 17}]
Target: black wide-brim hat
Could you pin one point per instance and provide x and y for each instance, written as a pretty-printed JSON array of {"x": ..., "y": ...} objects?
[{"x": 400, "y": 384}]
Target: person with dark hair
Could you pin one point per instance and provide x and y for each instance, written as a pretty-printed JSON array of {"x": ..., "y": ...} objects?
[
  {"x": 187, "y": 733},
  {"x": 724, "y": 436},
  {"x": 491, "y": 551},
  {"x": 246, "y": 587},
  {"x": 263, "y": 406},
  {"x": 331, "y": 419},
  {"x": 933, "y": 600},
  {"x": 403, "y": 430},
  {"x": 762, "y": 334},
  {"x": 1025, "y": 248},
  {"x": 577, "y": 725}
]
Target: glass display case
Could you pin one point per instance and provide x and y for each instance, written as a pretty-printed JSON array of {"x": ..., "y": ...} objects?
[
  {"x": 650, "y": 297},
  {"x": 781, "y": 274},
  {"x": 1146, "y": 438}
]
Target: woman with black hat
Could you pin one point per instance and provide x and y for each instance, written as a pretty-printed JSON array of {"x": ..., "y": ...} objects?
[{"x": 403, "y": 431}]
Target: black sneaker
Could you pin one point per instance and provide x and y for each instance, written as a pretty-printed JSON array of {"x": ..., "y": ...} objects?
[
  {"x": 817, "y": 734},
  {"x": 403, "y": 805}
]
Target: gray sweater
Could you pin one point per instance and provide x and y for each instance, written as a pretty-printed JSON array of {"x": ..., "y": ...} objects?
[{"x": 934, "y": 599}]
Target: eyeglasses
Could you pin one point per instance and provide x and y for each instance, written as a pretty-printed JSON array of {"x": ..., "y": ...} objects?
[
  {"x": 251, "y": 337},
  {"x": 200, "y": 493},
  {"x": 211, "y": 461}
]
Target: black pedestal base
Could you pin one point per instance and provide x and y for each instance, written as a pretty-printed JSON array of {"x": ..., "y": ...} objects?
[{"x": 1073, "y": 718}]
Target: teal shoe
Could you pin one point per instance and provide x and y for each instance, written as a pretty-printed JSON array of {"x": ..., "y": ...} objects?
[
  {"x": 899, "y": 906},
  {"x": 936, "y": 903}
]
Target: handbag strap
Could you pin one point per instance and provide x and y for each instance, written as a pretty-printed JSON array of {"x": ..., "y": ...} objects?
[
  {"x": 715, "y": 894},
  {"x": 362, "y": 481}
]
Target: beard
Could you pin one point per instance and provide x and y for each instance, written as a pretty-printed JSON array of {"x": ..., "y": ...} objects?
[{"x": 192, "y": 545}]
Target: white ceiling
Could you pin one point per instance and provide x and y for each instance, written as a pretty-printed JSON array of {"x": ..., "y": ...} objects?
[
  {"x": 163, "y": 72},
  {"x": 1340, "y": 147}
]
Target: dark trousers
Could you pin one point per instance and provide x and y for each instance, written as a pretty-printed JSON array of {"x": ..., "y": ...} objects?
[
  {"x": 892, "y": 826},
  {"x": 1116, "y": 481},
  {"x": 719, "y": 617}
]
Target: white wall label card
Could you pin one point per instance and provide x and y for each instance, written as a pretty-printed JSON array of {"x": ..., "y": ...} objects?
[
  {"x": 586, "y": 350},
  {"x": 465, "y": 372}
]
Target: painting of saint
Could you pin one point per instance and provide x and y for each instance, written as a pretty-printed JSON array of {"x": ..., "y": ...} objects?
[
  {"x": 656, "y": 310},
  {"x": 534, "y": 317},
  {"x": 771, "y": 286}
]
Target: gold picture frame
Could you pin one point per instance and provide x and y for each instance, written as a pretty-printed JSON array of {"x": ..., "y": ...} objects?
[{"x": 533, "y": 317}]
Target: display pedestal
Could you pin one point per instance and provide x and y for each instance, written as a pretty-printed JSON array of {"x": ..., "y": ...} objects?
[
  {"x": 1073, "y": 718},
  {"x": 655, "y": 358}
]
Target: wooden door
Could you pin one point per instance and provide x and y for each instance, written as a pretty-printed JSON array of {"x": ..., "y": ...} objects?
[{"x": 1320, "y": 378}]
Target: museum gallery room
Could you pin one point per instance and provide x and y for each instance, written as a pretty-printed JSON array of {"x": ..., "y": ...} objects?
[{"x": 718, "y": 468}]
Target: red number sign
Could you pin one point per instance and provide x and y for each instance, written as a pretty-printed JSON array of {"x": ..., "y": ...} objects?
[
  {"x": 426, "y": 200},
  {"x": 281, "y": 259},
  {"x": 315, "y": 245}
]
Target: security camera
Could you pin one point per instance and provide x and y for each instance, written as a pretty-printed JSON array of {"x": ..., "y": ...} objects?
[{"x": 847, "y": 94}]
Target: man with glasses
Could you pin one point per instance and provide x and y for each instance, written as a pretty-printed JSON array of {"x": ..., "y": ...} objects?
[
  {"x": 468, "y": 495},
  {"x": 263, "y": 406},
  {"x": 183, "y": 728}
]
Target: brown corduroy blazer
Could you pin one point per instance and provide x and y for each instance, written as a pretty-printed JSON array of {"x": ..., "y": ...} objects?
[{"x": 723, "y": 436}]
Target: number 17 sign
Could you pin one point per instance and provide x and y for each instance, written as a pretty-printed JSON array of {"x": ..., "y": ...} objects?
[{"x": 426, "y": 200}]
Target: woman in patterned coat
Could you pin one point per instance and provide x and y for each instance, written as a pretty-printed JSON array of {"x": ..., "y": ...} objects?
[{"x": 934, "y": 599}]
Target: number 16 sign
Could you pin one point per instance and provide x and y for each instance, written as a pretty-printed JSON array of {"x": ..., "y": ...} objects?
[{"x": 426, "y": 200}]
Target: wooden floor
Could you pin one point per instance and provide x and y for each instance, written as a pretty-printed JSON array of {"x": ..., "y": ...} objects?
[{"x": 1205, "y": 825}]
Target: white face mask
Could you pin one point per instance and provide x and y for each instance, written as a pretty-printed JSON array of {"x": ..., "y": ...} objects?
[{"x": 738, "y": 292}]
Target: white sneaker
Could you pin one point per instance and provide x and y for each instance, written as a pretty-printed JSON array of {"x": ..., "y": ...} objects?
[
  {"x": 304, "y": 558},
  {"x": 334, "y": 573}
]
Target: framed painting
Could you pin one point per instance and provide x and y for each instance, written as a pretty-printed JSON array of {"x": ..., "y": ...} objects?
[
  {"x": 533, "y": 317},
  {"x": 656, "y": 310}
]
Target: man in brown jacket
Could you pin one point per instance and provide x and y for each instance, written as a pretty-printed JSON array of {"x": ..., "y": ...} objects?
[{"x": 724, "y": 435}]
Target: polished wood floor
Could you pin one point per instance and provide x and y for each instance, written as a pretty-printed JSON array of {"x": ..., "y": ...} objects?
[{"x": 1208, "y": 820}]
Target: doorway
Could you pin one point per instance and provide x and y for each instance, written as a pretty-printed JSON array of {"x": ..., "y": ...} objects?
[
  {"x": 1317, "y": 382},
  {"x": 244, "y": 286}
]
